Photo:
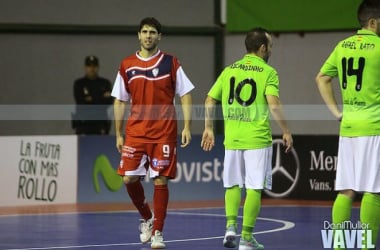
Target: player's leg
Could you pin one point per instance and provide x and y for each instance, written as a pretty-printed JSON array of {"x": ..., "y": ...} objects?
[
  {"x": 257, "y": 164},
  {"x": 341, "y": 210},
  {"x": 370, "y": 215},
  {"x": 232, "y": 199},
  {"x": 163, "y": 166},
  {"x": 137, "y": 194},
  {"x": 233, "y": 175},
  {"x": 132, "y": 167},
  {"x": 160, "y": 202},
  {"x": 357, "y": 169},
  {"x": 251, "y": 210},
  {"x": 368, "y": 159},
  {"x": 160, "y": 205},
  {"x": 344, "y": 183}
]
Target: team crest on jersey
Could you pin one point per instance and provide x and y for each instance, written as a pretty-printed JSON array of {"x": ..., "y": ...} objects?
[
  {"x": 155, "y": 71},
  {"x": 155, "y": 162}
]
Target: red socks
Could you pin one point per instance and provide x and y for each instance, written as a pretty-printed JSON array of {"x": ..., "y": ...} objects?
[
  {"x": 137, "y": 195},
  {"x": 160, "y": 202}
]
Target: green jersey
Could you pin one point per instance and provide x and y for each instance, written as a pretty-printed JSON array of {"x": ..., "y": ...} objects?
[
  {"x": 356, "y": 61},
  {"x": 241, "y": 88}
]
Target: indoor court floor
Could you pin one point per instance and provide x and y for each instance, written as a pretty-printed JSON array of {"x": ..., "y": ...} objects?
[{"x": 281, "y": 225}]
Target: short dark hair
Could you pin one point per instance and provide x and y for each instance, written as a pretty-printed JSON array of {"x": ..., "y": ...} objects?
[
  {"x": 368, "y": 9},
  {"x": 151, "y": 21},
  {"x": 255, "y": 38}
]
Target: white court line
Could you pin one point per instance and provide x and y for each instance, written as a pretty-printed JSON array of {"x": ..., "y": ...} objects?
[{"x": 286, "y": 226}]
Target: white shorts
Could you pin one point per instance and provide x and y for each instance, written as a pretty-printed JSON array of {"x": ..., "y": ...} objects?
[
  {"x": 252, "y": 168},
  {"x": 358, "y": 164}
]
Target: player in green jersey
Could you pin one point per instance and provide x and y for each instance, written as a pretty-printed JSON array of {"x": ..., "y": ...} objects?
[
  {"x": 356, "y": 62},
  {"x": 248, "y": 91}
]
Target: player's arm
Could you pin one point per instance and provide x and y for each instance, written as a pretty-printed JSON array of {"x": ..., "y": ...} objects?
[
  {"x": 186, "y": 103},
  {"x": 119, "y": 112},
  {"x": 208, "y": 138},
  {"x": 277, "y": 112},
  {"x": 324, "y": 83}
]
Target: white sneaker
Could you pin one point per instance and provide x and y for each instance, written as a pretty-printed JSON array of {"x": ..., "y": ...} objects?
[
  {"x": 157, "y": 240},
  {"x": 146, "y": 227},
  {"x": 229, "y": 240},
  {"x": 251, "y": 244}
]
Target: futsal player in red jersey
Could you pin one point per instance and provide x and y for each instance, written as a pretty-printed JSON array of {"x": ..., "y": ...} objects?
[{"x": 149, "y": 81}]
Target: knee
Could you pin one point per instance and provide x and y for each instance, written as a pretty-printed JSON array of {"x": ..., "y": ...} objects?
[
  {"x": 161, "y": 180},
  {"x": 349, "y": 193},
  {"x": 130, "y": 179}
]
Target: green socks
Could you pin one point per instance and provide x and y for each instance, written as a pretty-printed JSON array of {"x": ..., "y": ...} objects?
[
  {"x": 341, "y": 210},
  {"x": 370, "y": 214},
  {"x": 251, "y": 211},
  {"x": 232, "y": 203}
]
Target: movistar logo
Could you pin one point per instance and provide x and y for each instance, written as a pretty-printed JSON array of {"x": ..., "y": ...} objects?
[{"x": 104, "y": 168}]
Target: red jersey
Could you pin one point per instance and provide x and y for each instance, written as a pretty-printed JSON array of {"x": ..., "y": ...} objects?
[{"x": 150, "y": 84}]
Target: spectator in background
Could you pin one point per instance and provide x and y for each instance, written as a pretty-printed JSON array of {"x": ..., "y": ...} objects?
[{"x": 92, "y": 95}]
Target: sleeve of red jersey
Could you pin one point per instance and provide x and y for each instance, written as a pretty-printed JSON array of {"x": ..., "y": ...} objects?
[
  {"x": 119, "y": 90},
  {"x": 182, "y": 83}
]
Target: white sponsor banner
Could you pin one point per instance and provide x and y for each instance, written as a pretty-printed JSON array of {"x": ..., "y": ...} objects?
[{"x": 38, "y": 170}]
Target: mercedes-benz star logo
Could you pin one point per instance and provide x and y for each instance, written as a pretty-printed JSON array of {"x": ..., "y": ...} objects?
[{"x": 285, "y": 171}]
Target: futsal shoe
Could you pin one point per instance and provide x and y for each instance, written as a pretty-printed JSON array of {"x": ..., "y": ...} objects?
[
  {"x": 251, "y": 244},
  {"x": 157, "y": 240},
  {"x": 229, "y": 240},
  {"x": 146, "y": 227}
]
